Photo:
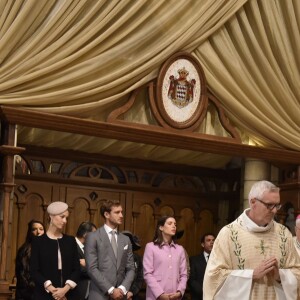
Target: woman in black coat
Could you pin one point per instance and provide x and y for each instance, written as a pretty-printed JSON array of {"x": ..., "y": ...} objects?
[{"x": 54, "y": 261}]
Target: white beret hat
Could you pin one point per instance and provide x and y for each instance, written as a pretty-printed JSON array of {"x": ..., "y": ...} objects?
[{"x": 56, "y": 208}]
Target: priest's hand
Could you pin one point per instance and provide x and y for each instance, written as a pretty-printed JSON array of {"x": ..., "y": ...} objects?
[
  {"x": 265, "y": 267},
  {"x": 276, "y": 272}
]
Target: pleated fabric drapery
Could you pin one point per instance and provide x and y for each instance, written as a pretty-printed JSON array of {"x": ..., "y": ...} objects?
[
  {"x": 83, "y": 58},
  {"x": 253, "y": 64}
]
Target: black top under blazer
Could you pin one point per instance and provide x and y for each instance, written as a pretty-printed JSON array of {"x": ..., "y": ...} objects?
[{"x": 44, "y": 264}]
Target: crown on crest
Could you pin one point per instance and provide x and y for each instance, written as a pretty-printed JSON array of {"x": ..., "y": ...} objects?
[{"x": 183, "y": 71}]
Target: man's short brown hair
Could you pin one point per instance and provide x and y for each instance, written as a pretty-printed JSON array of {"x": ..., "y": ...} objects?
[{"x": 107, "y": 206}]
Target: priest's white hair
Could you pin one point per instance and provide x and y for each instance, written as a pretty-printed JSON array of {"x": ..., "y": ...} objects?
[{"x": 260, "y": 187}]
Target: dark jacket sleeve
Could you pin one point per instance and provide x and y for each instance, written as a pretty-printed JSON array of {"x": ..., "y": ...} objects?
[
  {"x": 35, "y": 267},
  {"x": 196, "y": 277},
  {"x": 139, "y": 278},
  {"x": 70, "y": 260},
  {"x": 83, "y": 270}
]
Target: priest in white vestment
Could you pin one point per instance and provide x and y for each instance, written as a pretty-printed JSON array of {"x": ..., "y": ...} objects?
[
  {"x": 297, "y": 237},
  {"x": 254, "y": 257}
]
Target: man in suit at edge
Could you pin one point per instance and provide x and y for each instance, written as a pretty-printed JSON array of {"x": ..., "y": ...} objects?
[
  {"x": 109, "y": 256},
  {"x": 198, "y": 266},
  {"x": 82, "y": 288}
]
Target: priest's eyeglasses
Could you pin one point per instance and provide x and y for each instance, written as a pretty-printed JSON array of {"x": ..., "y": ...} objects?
[{"x": 269, "y": 206}]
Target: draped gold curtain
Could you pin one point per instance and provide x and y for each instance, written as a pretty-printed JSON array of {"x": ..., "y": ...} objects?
[
  {"x": 83, "y": 58},
  {"x": 253, "y": 64}
]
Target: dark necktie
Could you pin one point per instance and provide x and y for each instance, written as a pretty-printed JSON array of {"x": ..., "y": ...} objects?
[
  {"x": 207, "y": 258},
  {"x": 114, "y": 242}
]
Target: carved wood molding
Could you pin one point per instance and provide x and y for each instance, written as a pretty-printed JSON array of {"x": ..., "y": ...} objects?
[
  {"x": 223, "y": 118},
  {"x": 162, "y": 102},
  {"x": 11, "y": 150},
  {"x": 40, "y": 167},
  {"x": 145, "y": 134},
  {"x": 56, "y": 153},
  {"x": 115, "y": 116},
  {"x": 7, "y": 186}
]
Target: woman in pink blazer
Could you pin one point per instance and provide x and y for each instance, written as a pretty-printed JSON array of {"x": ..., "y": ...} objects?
[{"x": 164, "y": 262}]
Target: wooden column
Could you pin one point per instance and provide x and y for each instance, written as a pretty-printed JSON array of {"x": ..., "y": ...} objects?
[{"x": 7, "y": 152}]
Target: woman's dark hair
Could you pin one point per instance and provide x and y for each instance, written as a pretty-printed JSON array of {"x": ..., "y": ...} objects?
[
  {"x": 25, "y": 283},
  {"x": 30, "y": 234},
  {"x": 158, "y": 238}
]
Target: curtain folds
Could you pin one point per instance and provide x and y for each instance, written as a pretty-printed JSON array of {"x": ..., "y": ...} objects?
[
  {"x": 252, "y": 64},
  {"x": 83, "y": 57},
  {"x": 79, "y": 55}
]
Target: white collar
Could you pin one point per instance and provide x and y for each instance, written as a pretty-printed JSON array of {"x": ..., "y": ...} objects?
[
  {"x": 205, "y": 253},
  {"x": 109, "y": 229},
  {"x": 248, "y": 224},
  {"x": 79, "y": 243}
]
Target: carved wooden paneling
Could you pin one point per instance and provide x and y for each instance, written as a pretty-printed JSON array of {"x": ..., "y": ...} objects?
[
  {"x": 79, "y": 212},
  {"x": 145, "y": 196},
  {"x": 186, "y": 222},
  {"x": 204, "y": 225},
  {"x": 148, "y": 207},
  {"x": 166, "y": 211},
  {"x": 145, "y": 224},
  {"x": 85, "y": 205}
]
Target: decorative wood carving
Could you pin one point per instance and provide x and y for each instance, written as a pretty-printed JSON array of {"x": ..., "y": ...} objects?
[
  {"x": 7, "y": 151},
  {"x": 182, "y": 195},
  {"x": 157, "y": 92},
  {"x": 147, "y": 134},
  {"x": 224, "y": 119}
]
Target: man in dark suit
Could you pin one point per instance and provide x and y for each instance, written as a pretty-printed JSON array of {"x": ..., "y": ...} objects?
[
  {"x": 198, "y": 266},
  {"x": 109, "y": 256},
  {"x": 82, "y": 288}
]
